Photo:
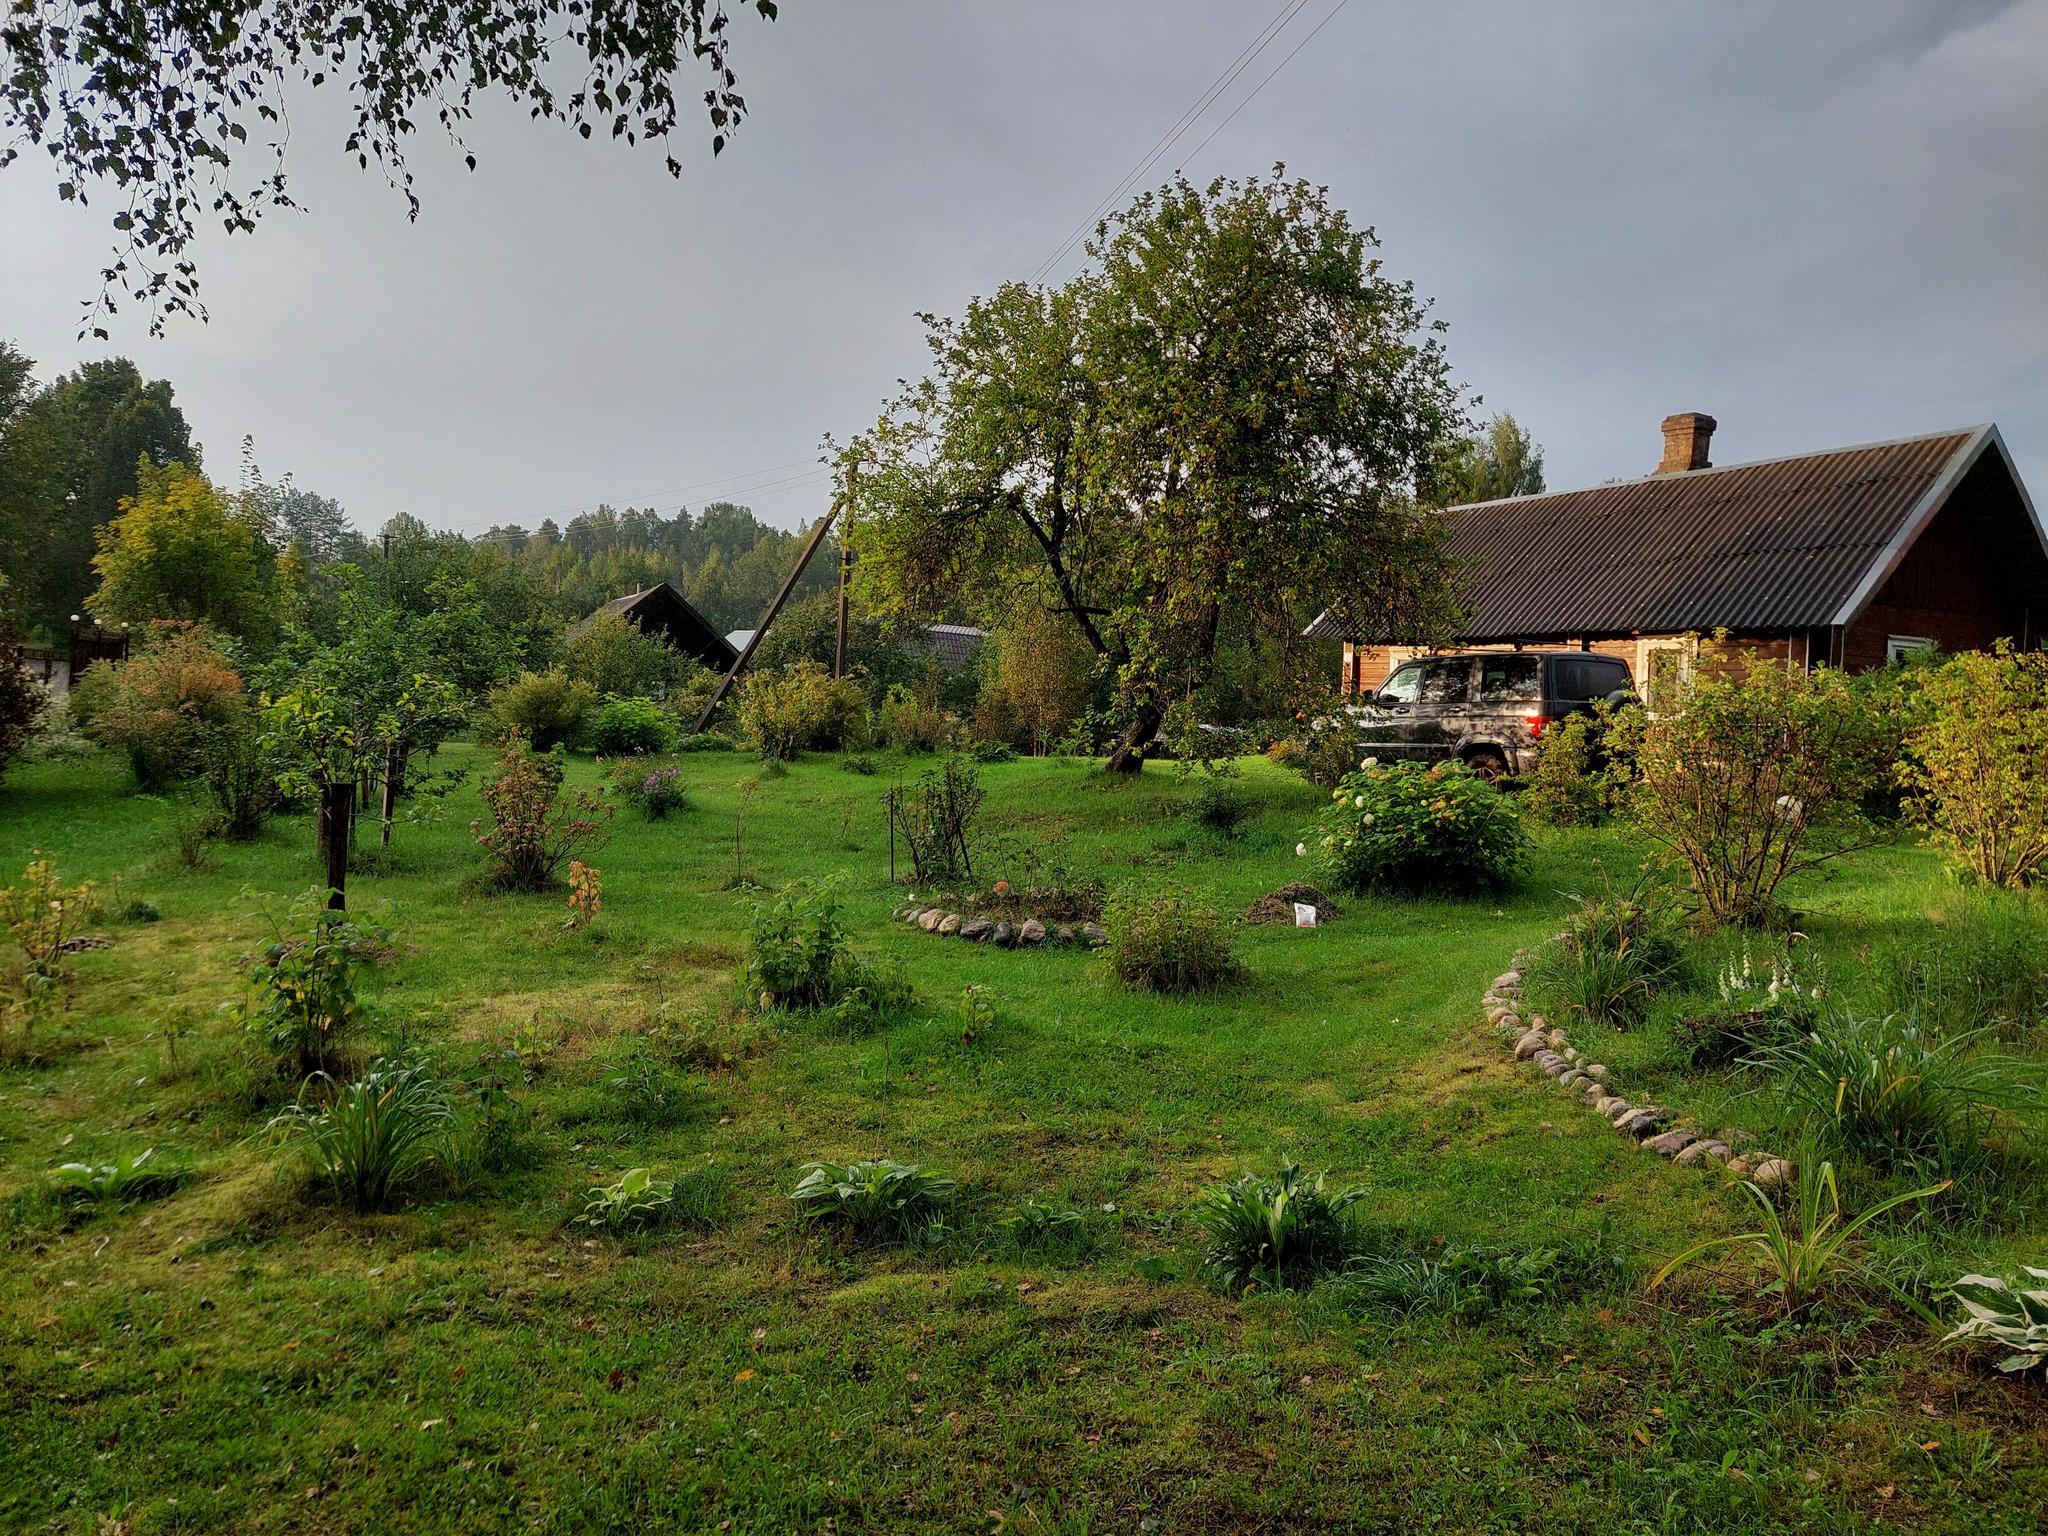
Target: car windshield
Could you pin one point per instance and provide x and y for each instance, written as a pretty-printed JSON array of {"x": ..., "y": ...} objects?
[
  {"x": 1403, "y": 686},
  {"x": 1510, "y": 679}
]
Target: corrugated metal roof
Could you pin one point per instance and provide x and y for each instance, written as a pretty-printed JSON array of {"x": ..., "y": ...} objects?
[{"x": 1782, "y": 544}]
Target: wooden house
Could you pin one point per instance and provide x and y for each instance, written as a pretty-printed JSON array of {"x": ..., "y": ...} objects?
[
  {"x": 1845, "y": 558},
  {"x": 662, "y": 611}
]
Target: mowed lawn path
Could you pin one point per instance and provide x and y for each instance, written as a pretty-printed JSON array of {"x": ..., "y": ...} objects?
[{"x": 240, "y": 1357}]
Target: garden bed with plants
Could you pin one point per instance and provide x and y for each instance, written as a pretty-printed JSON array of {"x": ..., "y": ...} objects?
[{"x": 526, "y": 1195}]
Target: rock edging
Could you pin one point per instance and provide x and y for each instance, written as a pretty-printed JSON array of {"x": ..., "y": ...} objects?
[
  {"x": 1029, "y": 934},
  {"x": 1651, "y": 1127}
]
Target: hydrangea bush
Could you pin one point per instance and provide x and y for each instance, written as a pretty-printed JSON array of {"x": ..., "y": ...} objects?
[{"x": 1414, "y": 828}]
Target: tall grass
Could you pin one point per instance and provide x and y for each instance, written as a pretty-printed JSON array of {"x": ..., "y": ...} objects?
[
  {"x": 1618, "y": 954},
  {"x": 379, "y": 1132},
  {"x": 1984, "y": 966}
]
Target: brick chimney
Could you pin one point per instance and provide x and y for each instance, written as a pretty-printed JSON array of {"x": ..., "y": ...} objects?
[{"x": 1686, "y": 437}]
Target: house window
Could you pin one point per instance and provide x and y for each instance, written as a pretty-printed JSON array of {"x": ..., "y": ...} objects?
[{"x": 1898, "y": 648}]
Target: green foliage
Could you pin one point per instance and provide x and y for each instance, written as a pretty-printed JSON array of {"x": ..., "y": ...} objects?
[
  {"x": 615, "y": 656},
  {"x": 639, "y": 1201},
  {"x": 41, "y": 916},
  {"x": 800, "y": 958},
  {"x": 915, "y": 719},
  {"x": 2005, "y": 1314},
  {"x": 241, "y": 769},
  {"x": 1206, "y": 309},
  {"x": 1169, "y": 943},
  {"x": 992, "y": 752},
  {"x": 1760, "y": 776},
  {"x": 1801, "y": 1258},
  {"x": 706, "y": 741},
  {"x": 376, "y": 1135},
  {"x": 937, "y": 817},
  {"x": 1759, "y": 1009},
  {"x": 801, "y": 709},
  {"x": 1884, "y": 1088},
  {"x": 1279, "y": 1231},
  {"x": 1472, "y": 1280},
  {"x": 1977, "y": 763},
  {"x": 1501, "y": 461},
  {"x": 139, "y": 1176},
  {"x": 1569, "y": 785},
  {"x": 1984, "y": 963},
  {"x": 623, "y": 727},
  {"x": 1221, "y": 806},
  {"x": 547, "y": 708},
  {"x": 1412, "y": 829},
  {"x": 535, "y": 828},
  {"x": 304, "y": 980},
  {"x": 182, "y": 550},
  {"x": 24, "y": 706},
  {"x": 1616, "y": 956},
  {"x": 880, "y": 1200}
]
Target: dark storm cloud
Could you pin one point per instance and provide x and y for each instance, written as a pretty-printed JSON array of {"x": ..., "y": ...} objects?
[{"x": 1824, "y": 224}]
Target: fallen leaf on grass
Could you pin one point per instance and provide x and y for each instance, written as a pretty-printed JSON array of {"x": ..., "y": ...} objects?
[
  {"x": 1930, "y": 1445},
  {"x": 746, "y": 1375},
  {"x": 427, "y": 1424}
]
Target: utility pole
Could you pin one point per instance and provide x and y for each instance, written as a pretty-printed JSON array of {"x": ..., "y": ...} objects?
[
  {"x": 845, "y": 571},
  {"x": 789, "y": 585}
]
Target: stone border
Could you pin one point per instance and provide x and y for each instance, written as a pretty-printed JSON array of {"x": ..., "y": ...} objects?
[
  {"x": 1029, "y": 934},
  {"x": 1650, "y": 1126}
]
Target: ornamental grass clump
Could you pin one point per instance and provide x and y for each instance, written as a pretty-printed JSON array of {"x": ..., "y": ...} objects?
[
  {"x": 1169, "y": 944},
  {"x": 1619, "y": 952},
  {"x": 1411, "y": 829},
  {"x": 376, "y": 1136}
]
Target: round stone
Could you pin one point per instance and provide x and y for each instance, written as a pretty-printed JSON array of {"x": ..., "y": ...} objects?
[
  {"x": 1739, "y": 1166},
  {"x": 1773, "y": 1173},
  {"x": 1614, "y": 1109},
  {"x": 977, "y": 930},
  {"x": 1528, "y": 1046},
  {"x": 1032, "y": 932},
  {"x": 929, "y": 918},
  {"x": 949, "y": 924},
  {"x": 1094, "y": 935},
  {"x": 1004, "y": 935},
  {"x": 1671, "y": 1143},
  {"x": 1597, "y": 1071}
]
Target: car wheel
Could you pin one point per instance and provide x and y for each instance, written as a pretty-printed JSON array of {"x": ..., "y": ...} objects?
[{"x": 1490, "y": 766}]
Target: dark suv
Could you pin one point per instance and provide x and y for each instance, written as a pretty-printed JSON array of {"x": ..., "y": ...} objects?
[{"x": 1486, "y": 707}]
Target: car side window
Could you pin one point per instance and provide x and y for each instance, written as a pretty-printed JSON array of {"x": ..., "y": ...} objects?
[
  {"x": 1403, "y": 686},
  {"x": 1446, "y": 682},
  {"x": 1510, "y": 679}
]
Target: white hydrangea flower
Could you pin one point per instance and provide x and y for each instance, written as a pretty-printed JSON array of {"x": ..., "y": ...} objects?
[
  {"x": 1368, "y": 820},
  {"x": 1359, "y": 801},
  {"x": 1301, "y": 850},
  {"x": 1370, "y": 762}
]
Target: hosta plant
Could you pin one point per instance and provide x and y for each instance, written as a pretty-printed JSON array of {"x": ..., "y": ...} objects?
[
  {"x": 638, "y": 1199},
  {"x": 1284, "y": 1229},
  {"x": 2004, "y": 1314},
  {"x": 878, "y": 1199},
  {"x": 136, "y": 1177}
]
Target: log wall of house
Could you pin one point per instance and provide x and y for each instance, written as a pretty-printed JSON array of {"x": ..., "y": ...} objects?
[{"x": 1947, "y": 589}]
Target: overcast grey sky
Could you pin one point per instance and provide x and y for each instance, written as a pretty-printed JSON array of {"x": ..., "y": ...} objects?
[{"x": 1824, "y": 223}]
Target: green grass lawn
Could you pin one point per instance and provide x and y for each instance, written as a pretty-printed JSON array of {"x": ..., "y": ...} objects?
[{"x": 241, "y": 1357}]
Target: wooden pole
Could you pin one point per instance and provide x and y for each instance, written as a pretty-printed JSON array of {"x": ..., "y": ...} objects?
[
  {"x": 337, "y": 803},
  {"x": 754, "y": 641},
  {"x": 845, "y": 570}
]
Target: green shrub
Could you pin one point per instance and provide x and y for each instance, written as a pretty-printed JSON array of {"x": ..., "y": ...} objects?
[
  {"x": 1568, "y": 787},
  {"x": 41, "y": 917},
  {"x": 1977, "y": 762},
  {"x": 657, "y": 790},
  {"x": 378, "y": 1134},
  {"x": 304, "y": 980},
  {"x": 1278, "y": 1231},
  {"x": 802, "y": 709},
  {"x": 1169, "y": 944},
  {"x": 241, "y": 769},
  {"x": 1760, "y": 1008},
  {"x": 1760, "y": 775},
  {"x": 159, "y": 704},
  {"x": 916, "y": 720},
  {"x": 24, "y": 704},
  {"x": 707, "y": 741},
  {"x": 1327, "y": 745},
  {"x": 1615, "y": 957},
  {"x": 937, "y": 819},
  {"x": 627, "y": 727},
  {"x": 1886, "y": 1089},
  {"x": 640, "y": 1201},
  {"x": 2007, "y": 1315},
  {"x": 547, "y": 708},
  {"x": 614, "y": 655},
  {"x": 993, "y": 752},
  {"x": 801, "y": 958},
  {"x": 1221, "y": 806},
  {"x": 1406, "y": 828},
  {"x": 873, "y": 1200}
]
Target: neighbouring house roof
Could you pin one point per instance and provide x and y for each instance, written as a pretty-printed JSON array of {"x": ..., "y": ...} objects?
[
  {"x": 1784, "y": 544},
  {"x": 663, "y": 612},
  {"x": 954, "y": 643}
]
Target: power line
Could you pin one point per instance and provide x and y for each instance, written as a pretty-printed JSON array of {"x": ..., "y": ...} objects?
[
  {"x": 1261, "y": 86},
  {"x": 1258, "y": 45}
]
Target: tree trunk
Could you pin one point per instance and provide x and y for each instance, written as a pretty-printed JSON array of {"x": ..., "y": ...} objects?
[
  {"x": 394, "y": 786},
  {"x": 337, "y": 817},
  {"x": 1129, "y": 753}
]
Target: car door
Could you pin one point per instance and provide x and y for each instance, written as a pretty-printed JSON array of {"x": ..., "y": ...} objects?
[
  {"x": 1442, "y": 707},
  {"x": 1387, "y": 717}
]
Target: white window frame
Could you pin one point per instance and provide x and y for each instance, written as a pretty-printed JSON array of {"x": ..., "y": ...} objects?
[
  {"x": 1898, "y": 647},
  {"x": 1688, "y": 651}
]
